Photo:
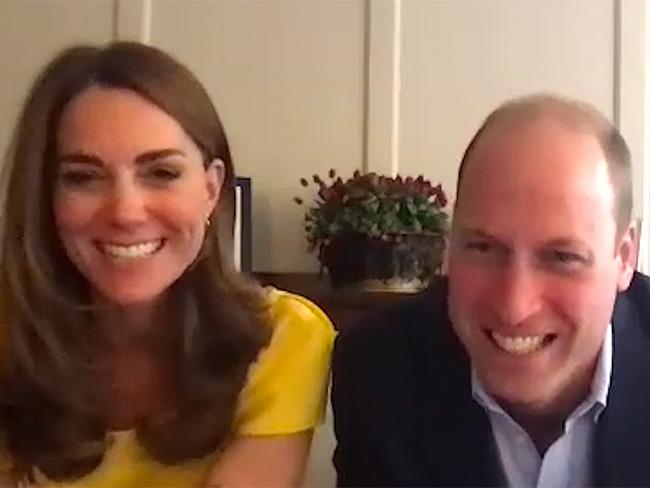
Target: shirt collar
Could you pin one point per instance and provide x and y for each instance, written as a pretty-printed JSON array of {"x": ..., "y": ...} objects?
[
  {"x": 597, "y": 396},
  {"x": 603, "y": 374}
]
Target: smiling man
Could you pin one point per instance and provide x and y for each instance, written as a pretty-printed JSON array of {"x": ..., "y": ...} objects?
[{"x": 530, "y": 364}]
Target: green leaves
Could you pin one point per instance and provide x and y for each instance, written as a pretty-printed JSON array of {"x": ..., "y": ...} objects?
[{"x": 373, "y": 205}]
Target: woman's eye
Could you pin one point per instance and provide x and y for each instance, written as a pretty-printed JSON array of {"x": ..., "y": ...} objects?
[
  {"x": 78, "y": 177},
  {"x": 164, "y": 174}
]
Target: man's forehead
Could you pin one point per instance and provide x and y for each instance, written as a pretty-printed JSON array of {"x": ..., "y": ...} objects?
[
  {"x": 513, "y": 147},
  {"x": 542, "y": 166},
  {"x": 547, "y": 126}
]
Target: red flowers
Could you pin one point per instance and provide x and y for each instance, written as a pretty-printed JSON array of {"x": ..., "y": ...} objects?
[{"x": 373, "y": 205}]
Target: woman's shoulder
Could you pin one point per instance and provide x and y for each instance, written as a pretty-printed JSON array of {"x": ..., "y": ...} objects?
[
  {"x": 287, "y": 385},
  {"x": 300, "y": 330},
  {"x": 293, "y": 311}
]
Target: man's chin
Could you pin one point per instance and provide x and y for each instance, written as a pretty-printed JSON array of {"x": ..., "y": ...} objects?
[
  {"x": 519, "y": 388},
  {"x": 526, "y": 394}
]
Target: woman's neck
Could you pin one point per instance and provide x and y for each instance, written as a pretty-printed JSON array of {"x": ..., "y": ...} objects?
[
  {"x": 136, "y": 372},
  {"x": 133, "y": 325}
]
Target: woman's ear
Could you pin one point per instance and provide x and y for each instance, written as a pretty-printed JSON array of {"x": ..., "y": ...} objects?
[{"x": 215, "y": 174}]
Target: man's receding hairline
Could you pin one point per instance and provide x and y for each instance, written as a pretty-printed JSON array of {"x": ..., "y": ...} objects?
[
  {"x": 523, "y": 113},
  {"x": 576, "y": 116}
]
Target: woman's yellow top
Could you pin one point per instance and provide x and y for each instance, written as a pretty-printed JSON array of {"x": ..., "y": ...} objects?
[{"x": 285, "y": 393}]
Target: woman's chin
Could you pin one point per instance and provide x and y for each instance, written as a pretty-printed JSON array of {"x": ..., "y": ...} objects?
[{"x": 130, "y": 297}]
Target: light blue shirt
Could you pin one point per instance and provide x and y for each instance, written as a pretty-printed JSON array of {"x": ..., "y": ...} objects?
[{"x": 568, "y": 461}]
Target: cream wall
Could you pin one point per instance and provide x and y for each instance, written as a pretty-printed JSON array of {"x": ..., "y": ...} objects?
[
  {"x": 379, "y": 85},
  {"x": 287, "y": 79},
  {"x": 449, "y": 62},
  {"x": 474, "y": 58},
  {"x": 31, "y": 32}
]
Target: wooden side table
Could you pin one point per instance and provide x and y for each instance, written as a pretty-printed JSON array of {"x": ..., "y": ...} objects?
[{"x": 343, "y": 306}]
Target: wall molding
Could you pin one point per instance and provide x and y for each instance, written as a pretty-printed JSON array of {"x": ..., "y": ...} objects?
[
  {"x": 631, "y": 99},
  {"x": 132, "y": 20},
  {"x": 383, "y": 79}
]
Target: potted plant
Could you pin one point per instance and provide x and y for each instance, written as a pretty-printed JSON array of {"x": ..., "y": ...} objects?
[{"x": 377, "y": 232}]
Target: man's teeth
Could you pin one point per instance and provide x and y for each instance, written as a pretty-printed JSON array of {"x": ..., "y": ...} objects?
[
  {"x": 132, "y": 251},
  {"x": 518, "y": 344}
]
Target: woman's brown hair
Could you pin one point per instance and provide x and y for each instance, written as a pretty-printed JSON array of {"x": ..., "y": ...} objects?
[{"x": 51, "y": 416}]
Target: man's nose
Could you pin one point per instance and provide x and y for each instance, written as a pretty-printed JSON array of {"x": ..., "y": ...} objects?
[{"x": 519, "y": 293}]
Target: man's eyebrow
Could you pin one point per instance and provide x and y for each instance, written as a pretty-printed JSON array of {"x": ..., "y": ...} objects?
[
  {"x": 474, "y": 232},
  {"x": 573, "y": 244},
  {"x": 157, "y": 154},
  {"x": 565, "y": 242},
  {"x": 568, "y": 242}
]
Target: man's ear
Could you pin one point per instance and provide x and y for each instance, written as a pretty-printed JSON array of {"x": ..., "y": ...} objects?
[
  {"x": 627, "y": 254},
  {"x": 215, "y": 174}
]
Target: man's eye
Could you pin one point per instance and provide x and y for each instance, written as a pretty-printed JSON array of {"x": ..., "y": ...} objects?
[
  {"x": 566, "y": 260},
  {"x": 478, "y": 246},
  {"x": 566, "y": 257}
]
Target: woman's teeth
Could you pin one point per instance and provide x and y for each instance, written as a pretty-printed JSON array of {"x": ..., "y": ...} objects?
[
  {"x": 132, "y": 251},
  {"x": 520, "y": 345}
]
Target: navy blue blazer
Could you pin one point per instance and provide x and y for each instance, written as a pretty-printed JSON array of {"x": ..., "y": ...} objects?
[{"x": 404, "y": 413}]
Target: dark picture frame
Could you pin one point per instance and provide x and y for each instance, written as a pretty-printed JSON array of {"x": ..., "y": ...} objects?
[
  {"x": 234, "y": 223},
  {"x": 242, "y": 229}
]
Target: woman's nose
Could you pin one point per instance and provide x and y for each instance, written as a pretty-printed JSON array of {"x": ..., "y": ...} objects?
[{"x": 126, "y": 205}]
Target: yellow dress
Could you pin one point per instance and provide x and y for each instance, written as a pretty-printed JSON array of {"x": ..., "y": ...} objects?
[{"x": 285, "y": 393}]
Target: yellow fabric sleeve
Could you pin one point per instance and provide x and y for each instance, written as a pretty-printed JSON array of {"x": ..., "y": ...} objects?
[{"x": 286, "y": 391}]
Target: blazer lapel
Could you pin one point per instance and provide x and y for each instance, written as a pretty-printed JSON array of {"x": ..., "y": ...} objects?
[
  {"x": 457, "y": 442},
  {"x": 622, "y": 443}
]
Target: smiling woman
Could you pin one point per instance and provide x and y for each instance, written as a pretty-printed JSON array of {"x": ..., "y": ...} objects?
[
  {"x": 134, "y": 354},
  {"x": 131, "y": 210}
]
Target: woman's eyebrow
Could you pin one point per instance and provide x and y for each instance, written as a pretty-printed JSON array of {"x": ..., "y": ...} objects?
[
  {"x": 146, "y": 157},
  {"x": 79, "y": 157},
  {"x": 158, "y": 154}
]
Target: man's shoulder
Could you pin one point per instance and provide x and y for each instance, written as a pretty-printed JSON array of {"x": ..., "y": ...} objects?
[
  {"x": 413, "y": 312},
  {"x": 639, "y": 290},
  {"x": 634, "y": 304},
  {"x": 416, "y": 327},
  {"x": 624, "y": 428}
]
